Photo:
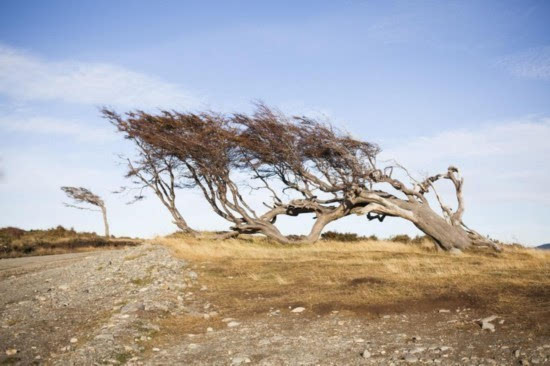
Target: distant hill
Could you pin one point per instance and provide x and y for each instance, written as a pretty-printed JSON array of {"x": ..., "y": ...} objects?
[
  {"x": 544, "y": 246},
  {"x": 15, "y": 242}
]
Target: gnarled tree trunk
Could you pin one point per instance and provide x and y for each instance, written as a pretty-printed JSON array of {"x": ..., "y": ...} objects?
[
  {"x": 446, "y": 235},
  {"x": 179, "y": 221}
]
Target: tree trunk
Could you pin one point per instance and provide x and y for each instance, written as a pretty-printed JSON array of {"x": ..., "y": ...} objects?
[
  {"x": 321, "y": 222},
  {"x": 446, "y": 236},
  {"x": 182, "y": 225},
  {"x": 179, "y": 221},
  {"x": 104, "y": 212}
]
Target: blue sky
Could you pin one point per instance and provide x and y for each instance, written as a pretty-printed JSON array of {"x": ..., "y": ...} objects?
[{"x": 433, "y": 82}]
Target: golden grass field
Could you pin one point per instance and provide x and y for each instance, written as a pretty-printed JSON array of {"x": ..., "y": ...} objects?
[{"x": 368, "y": 278}]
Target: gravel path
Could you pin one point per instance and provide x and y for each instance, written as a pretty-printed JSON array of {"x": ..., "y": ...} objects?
[
  {"x": 19, "y": 266},
  {"x": 87, "y": 308}
]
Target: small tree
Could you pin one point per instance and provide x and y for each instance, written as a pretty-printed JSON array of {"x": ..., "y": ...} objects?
[
  {"x": 158, "y": 171},
  {"x": 83, "y": 195}
]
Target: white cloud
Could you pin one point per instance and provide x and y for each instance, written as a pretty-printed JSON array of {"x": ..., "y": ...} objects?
[
  {"x": 59, "y": 127},
  {"x": 531, "y": 64},
  {"x": 25, "y": 77},
  {"x": 524, "y": 139}
]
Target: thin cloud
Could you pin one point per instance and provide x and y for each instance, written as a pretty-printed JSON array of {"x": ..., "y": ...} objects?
[
  {"x": 531, "y": 64},
  {"x": 499, "y": 161},
  {"x": 54, "y": 126},
  {"x": 26, "y": 77}
]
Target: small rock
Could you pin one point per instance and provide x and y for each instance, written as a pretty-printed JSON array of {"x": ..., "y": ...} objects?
[
  {"x": 410, "y": 358},
  {"x": 299, "y": 309},
  {"x": 365, "y": 354},
  {"x": 417, "y": 350},
  {"x": 105, "y": 337},
  {"x": 535, "y": 361},
  {"x": 11, "y": 351},
  {"x": 240, "y": 360},
  {"x": 63, "y": 287},
  {"x": 233, "y": 324},
  {"x": 444, "y": 311},
  {"x": 155, "y": 349},
  {"x": 74, "y": 340},
  {"x": 486, "y": 323},
  {"x": 516, "y": 353}
]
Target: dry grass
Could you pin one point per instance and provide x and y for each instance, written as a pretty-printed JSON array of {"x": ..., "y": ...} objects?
[{"x": 366, "y": 278}]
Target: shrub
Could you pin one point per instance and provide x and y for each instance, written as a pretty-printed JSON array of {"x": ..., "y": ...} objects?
[
  {"x": 345, "y": 237},
  {"x": 403, "y": 238}
]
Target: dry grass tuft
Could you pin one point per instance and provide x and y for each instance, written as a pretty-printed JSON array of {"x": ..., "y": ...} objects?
[{"x": 250, "y": 276}]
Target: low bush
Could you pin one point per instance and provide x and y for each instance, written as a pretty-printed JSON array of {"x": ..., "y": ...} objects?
[{"x": 403, "y": 238}]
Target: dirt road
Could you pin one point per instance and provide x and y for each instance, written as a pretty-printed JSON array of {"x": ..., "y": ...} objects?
[{"x": 19, "y": 266}]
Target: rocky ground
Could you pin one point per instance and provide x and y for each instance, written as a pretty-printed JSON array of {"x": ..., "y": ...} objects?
[{"x": 142, "y": 306}]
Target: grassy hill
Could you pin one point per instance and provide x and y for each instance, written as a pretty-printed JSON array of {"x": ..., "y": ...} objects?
[{"x": 15, "y": 242}]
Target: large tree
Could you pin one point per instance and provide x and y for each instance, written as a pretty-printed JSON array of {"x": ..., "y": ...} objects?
[
  {"x": 81, "y": 195},
  {"x": 306, "y": 166}
]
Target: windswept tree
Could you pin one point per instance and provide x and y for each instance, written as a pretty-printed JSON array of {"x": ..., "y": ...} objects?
[
  {"x": 338, "y": 175},
  {"x": 82, "y": 195},
  {"x": 207, "y": 147},
  {"x": 306, "y": 166},
  {"x": 158, "y": 171}
]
